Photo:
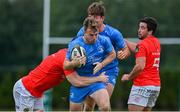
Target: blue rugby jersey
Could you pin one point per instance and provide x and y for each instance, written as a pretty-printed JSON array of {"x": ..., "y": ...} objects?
[
  {"x": 116, "y": 39},
  {"x": 96, "y": 52}
]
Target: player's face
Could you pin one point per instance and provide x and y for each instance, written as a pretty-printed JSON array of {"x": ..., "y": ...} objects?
[
  {"x": 143, "y": 30},
  {"x": 90, "y": 36},
  {"x": 99, "y": 19}
]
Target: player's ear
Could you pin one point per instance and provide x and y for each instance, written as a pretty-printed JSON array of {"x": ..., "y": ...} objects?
[{"x": 150, "y": 32}]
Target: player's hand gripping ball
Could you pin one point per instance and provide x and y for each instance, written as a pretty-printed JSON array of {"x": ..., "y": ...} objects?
[{"x": 78, "y": 54}]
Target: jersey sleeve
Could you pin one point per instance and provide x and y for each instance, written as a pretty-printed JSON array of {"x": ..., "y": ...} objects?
[
  {"x": 62, "y": 54},
  {"x": 68, "y": 72},
  {"x": 70, "y": 47},
  {"x": 140, "y": 51},
  {"x": 118, "y": 39}
]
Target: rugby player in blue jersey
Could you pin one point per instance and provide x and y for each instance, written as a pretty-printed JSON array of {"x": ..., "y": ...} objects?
[
  {"x": 99, "y": 53},
  {"x": 97, "y": 10}
]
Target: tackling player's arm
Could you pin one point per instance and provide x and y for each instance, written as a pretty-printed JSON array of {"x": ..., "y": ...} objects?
[
  {"x": 74, "y": 63},
  {"x": 70, "y": 64},
  {"x": 80, "y": 81},
  {"x": 139, "y": 66}
]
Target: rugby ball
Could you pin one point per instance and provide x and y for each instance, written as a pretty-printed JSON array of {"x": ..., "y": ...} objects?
[{"x": 78, "y": 51}]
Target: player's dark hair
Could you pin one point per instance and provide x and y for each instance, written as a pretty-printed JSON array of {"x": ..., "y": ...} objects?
[
  {"x": 151, "y": 23},
  {"x": 90, "y": 22},
  {"x": 96, "y": 9}
]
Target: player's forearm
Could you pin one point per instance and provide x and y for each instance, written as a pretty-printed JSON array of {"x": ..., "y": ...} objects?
[
  {"x": 80, "y": 81},
  {"x": 131, "y": 45},
  {"x": 85, "y": 81},
  {"x": 109, "y": 58},
  {"x": 75, "y": 80},
  {"x": 135, "y": 72},
  {"x": 69, "y": 65}
]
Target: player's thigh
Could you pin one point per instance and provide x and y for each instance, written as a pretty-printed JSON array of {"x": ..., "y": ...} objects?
[
  {"x": 38, "y": 104},
  {"x": 144, "y": 96},
  {"x": 16, "y": 94},
  {"x": 101, "y": 97},
  {"x": 16, "y": 100},
  {"x": 138, "y": 97},
  {"x": 26, "y": 103},
  {"x": 78, "y": 95},
  {"x": 152, "y": 99},
  {"x": 23, "y": 103},
  {"x": 113, "y": 74},
  {"x": 23, "y": 99},
  {"x": 75, "y": 106},
  {"x": 110, "y": 89}
]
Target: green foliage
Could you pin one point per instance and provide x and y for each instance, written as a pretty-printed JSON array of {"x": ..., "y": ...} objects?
[
  {"x": 67, "y": 17},
  {"x": 21, "y": 25},
  {"x": 61, "y": 97},
  {"x": 20, "y": 31},
  {"x": 7, "y": 81},
  {"x": 169, "y": 95}
]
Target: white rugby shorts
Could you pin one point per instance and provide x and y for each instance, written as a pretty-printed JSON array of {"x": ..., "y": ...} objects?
[
  {"x": 145, "y": 96},
  {"x": 24, "y": 101}
]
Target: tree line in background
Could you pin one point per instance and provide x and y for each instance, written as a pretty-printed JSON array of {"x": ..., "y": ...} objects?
[{"x": 21, "y": 29}]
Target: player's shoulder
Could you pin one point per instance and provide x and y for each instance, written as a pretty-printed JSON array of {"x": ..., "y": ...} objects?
[
  {"x": 81, "y": 32},
  {"x": 112, "y": 29},
  {"x": 150, "y": 39},
  {"x": 76, "y": 39},
  {"x": 62, "y": 51},
  {"x": 156, "y": 39},
  {"x": 146, "y": 42},
  {"x": 82, "y": 29},
  {"x": 142, "y": 42},
  {"x": 103, "y": 38},
  {"x": 113, "y": 32}
]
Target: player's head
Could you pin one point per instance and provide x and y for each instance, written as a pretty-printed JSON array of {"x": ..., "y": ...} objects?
[
  {"x": 97, "y": 10},
  {"x": 91, "y": 30},
  {"x": 147, "y": 26}
]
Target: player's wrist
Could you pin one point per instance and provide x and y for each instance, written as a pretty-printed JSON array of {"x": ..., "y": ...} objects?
[
  {"x": 98, "y": 78},
  {"x": 129, "y": 77},
  {"x": 102, "y": 64},
  {"x": 74, "y": 63}
]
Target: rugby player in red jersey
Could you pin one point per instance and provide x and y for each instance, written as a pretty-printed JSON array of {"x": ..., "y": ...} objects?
[
  {"x": 145, "y": 74},
  {"x": 29, "y": 89}
]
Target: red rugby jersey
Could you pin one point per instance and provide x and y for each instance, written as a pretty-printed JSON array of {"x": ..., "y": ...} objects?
[
  {"x": 47, "y": 75},
  {"x": 149, "y": 48}
]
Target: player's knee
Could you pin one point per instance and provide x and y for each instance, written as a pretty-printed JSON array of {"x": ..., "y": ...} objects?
[
  {"x": 135, "y": 108},
  {"x": 75, "y": 107},
  {"x": 147, "y": 109}
]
